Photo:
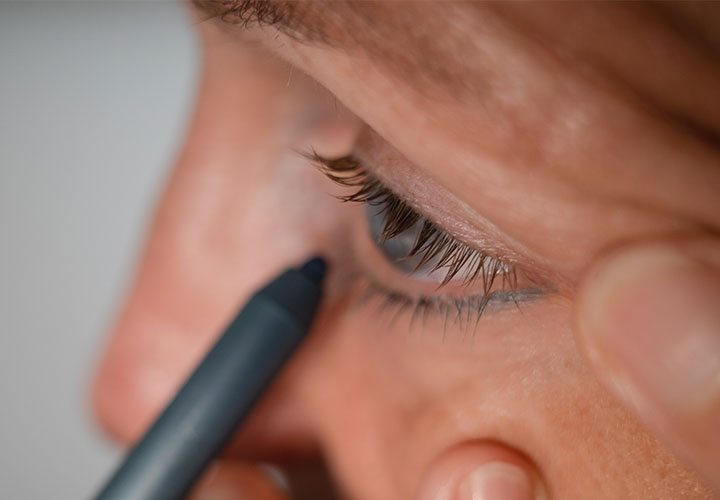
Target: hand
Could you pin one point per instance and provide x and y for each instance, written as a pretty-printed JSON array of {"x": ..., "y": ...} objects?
[{"x": 648, "y": 321}]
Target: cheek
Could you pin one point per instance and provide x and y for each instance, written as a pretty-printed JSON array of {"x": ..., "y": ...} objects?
[
  {"x": 418, "y": 391},
  {"x": 416, "y": 394}
]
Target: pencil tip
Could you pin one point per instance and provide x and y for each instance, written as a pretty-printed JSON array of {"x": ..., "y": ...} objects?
[{"x": 314, "y": 269}]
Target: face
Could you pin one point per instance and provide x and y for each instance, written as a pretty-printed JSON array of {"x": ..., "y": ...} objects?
[{"x": 490, "y": 152}]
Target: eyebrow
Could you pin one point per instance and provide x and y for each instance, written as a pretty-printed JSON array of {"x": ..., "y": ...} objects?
[
  {"x": 401, "y": 37},
  {"x": 304, "y": 21}
]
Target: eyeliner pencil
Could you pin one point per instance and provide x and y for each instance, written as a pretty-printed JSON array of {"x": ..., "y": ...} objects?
[{"x": 222, "y": 390}]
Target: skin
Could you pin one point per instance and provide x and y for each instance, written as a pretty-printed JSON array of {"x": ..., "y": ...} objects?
[{"x": 563, "y": 150}]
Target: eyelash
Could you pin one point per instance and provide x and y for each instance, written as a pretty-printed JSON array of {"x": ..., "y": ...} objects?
[{"x": 431, "y": 242}]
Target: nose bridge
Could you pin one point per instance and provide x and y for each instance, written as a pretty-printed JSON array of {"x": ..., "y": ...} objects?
[{"x": 227, "y": 221}]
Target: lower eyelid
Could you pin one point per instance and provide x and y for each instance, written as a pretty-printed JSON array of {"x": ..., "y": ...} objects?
[
  {"x": 498, "y": 299},
  {"x": 443, "y": 313}
]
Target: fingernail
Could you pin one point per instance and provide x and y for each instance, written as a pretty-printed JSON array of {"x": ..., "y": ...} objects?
[
  {"x": 496, "y": 481},
  {"x": 651, "y": 319}
]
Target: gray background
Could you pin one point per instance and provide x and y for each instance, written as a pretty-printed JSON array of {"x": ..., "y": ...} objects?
[{"x": 94, "y": 98}]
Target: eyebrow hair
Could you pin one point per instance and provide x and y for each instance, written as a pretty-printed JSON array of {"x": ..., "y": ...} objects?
[
  {"x": 431, "y": 46},
  {"x": 401, "y": 37},
  {"x": 304, "y": 21}
]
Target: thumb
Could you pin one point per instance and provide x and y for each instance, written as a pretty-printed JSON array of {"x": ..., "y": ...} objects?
[
  {"x": 234, "y": 480},
  {"x": 648, "y": 320}
]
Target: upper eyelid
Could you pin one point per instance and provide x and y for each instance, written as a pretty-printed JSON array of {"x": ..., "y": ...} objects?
[{"x": 328, "y": 166}]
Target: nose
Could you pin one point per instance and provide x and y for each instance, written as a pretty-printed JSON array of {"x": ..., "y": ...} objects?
[{"x": 237, "y": 209}]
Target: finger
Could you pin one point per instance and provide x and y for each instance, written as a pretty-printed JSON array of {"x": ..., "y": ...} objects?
[
  {"x": 479, "y": 470},
  {"x": 648, "y": 319},
  {"x": 231, "y": 480}
]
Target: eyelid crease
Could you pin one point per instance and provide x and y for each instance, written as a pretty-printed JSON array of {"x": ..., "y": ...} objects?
[{"x": 431, "y": 241}]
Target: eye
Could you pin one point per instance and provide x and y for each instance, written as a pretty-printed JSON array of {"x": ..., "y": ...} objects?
[
  {"x": 426, "y": 254},
  {"x": 413, "y": 243},
  {"x": 401, "y": 249}
]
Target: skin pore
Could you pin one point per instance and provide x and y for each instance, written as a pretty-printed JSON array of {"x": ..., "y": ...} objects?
[{"x": 543, "y": 134}]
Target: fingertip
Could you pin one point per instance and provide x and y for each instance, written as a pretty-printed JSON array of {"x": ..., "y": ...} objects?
[
  {"x": 481, "y": 470},
  {"x": 648, "y": 321},
  {"x": 648, "y": 318}
]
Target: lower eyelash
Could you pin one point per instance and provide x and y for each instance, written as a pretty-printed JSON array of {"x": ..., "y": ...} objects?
[{"x": 457, "y": 311}]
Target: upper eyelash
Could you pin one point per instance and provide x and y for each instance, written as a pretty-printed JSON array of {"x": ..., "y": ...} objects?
[{"x": 431, "y": 241}]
